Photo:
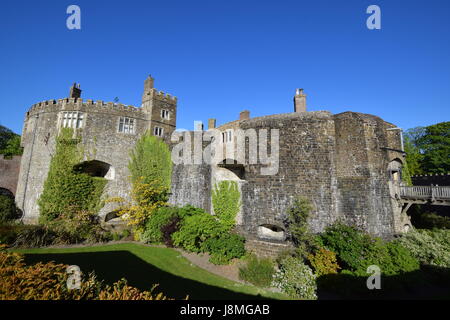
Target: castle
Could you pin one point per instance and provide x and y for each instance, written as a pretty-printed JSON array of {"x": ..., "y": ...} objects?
[{"x": 348, "y": 164}]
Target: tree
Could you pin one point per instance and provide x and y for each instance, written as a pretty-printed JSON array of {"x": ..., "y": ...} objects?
[
  {"x": 298, "y": 215},
  {"x": 9, "y": 142},
  {"x": 12, "y": 147},
  {"x": 435, "y": 143}
]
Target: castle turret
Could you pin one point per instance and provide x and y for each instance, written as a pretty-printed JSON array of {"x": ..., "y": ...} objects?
[
  {"x": 161, "y": 110},
  {"x": 75, "y": 91},
  {"x": 299, "y": 101}
]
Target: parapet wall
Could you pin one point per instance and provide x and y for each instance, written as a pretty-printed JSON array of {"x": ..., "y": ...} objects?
[
  {"x": 436, "y": 179},
  {"x": 9, "y": 173},
  {"x": 95, "y": 106}
]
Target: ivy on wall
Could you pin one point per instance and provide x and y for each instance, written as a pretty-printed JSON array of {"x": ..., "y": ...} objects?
[
  {"x": 66, "y": 188},
  {"x": 151, "y": 162},
  {"x": 226, "y": 200}
]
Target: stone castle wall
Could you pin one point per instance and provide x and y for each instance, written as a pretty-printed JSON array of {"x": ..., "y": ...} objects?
[
  {"x": 339, "y": 162},
  {"x": 9, "y": 173},
  {"x": 100, "y": 137}
]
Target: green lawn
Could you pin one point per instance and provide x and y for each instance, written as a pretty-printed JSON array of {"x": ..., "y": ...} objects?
[{"x": 144, "y": 266}]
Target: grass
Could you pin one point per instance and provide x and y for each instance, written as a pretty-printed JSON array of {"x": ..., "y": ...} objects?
[{"x": 144, "y": 266}]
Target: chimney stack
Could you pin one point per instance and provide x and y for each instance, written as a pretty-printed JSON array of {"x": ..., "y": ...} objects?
[
  {"x": 299, "y": 101},
  {"x": 75, "y": 91},
  {"x": 244, "y": 115},
  {"x": 211, "y": 123},
  {"x": 198, "y": 125}
]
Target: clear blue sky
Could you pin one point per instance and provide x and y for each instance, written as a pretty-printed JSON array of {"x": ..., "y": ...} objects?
[{"x": 220, "y": 57}]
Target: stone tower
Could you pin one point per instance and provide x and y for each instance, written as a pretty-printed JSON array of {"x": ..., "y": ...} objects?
[
  {"x": 161, "y": 110},
  {"x": 108, "y": 131}
]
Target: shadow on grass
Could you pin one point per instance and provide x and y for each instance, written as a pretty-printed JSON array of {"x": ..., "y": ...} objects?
[
  {"x": 113, "y": 265},
  {"x": 428, "y": 283}
]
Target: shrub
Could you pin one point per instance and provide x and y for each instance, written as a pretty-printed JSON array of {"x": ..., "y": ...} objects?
[
  {"x": 147, "y": 199},
  {"x": 349, "y": 243},
  {"x": 188, "y": 211},
  {"x": 257, "y": 271},
  {"x": 225, "y": 248},
  {"x": 431, "y": 247},
  {"x": 298, "y": 215},
  {"x": 159, "y": 219},
  {"x": 356, "y": 250},
  {"x": 49, "y": 282},
  {"x": 77, "y": 226},
  {"x": 324, "y": 262},
  {"x": 195, "y": 230},
  {"x": 36, "y": 236},
  {"x": 429, "y": 220},
  {"x": 170, "y": 228},
  {"x": 296, "y": 279},
  {"x": 8, "y": 210},
  {"x": 226, "y": 202}
]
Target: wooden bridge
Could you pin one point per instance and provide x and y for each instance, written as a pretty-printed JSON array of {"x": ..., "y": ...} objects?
[{"x": 434, "y": 195}]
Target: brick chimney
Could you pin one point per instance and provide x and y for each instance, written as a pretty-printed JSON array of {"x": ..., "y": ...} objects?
[
  {"x": 211, "y": 123},
  {"x": 299, "y": 101},
  {"x": 244, "y": 115},
  {"x": 75, "y": 91}
]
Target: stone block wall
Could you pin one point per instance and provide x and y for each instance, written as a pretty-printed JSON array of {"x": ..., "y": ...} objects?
[{"x": 9, "y": 173}]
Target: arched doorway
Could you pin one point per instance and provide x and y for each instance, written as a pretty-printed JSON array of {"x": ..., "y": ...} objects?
[{"x": 96, "y": 168}]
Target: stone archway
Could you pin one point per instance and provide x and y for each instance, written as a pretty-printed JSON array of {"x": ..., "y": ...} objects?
[{"x": 96, "y": 168}]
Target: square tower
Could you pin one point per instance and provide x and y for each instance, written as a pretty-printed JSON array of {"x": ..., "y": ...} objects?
[{"x": 161, "y": 110}]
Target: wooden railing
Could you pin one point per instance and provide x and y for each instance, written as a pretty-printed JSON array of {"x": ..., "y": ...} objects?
[{"x": 425, "y": 192}]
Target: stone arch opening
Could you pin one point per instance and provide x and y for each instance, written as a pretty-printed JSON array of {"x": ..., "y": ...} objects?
[
  {"x": 234, "y": 167},
  {"x": 395, "y": 170},
  {"x": 7, "y": 193},
  {"x": 96, "y": 168},
  {"x": 112, "y": 216},
  {"x": 271, "y": 232}
]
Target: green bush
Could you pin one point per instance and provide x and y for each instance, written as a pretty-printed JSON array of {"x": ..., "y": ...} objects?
[
  {"x": 430, "y": 247},
  {"x": 35, "y": 237},
  {"x": 428, "y": 220},
  {"x": 195, "y": 230},
  {"x": 298, "y": 215},
  {"x": 349, "y": 243},
  {"x": 357, "y": 250},
  {"x": 9, "y": 232},
  {"x": 188, "y": 211},
  {"x": 160, "y": 218},
  {"x": 225, "y": 248},
  {"x": 226, "y": 200},
  {"x": 258, "y": 271},
  {"x": 296, "y": 279},
  {"x": 8, "y": 210}
]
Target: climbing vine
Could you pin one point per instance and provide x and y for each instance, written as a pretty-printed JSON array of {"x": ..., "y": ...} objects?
[
  {"x": 226, "y": 200},
  {"x": 151, "y": 162},
  {"x": 65, "y": 188}
]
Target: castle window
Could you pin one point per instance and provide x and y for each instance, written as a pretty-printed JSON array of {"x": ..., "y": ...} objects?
[
  {"x": 227, "y": 136},
  {"x": 165, "y": 114},
  {"x": 126, "y": 125},
  {"x": 72, "y": 119},
  {"x": 157, "y": 131}
]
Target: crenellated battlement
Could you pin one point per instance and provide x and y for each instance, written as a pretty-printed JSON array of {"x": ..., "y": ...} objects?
[
  {"x": 160, "y": 95},
  {"x": 80, "y": 104}
]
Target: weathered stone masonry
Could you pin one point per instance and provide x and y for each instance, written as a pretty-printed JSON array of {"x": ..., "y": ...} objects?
[{"x": 348, "y": 165}]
